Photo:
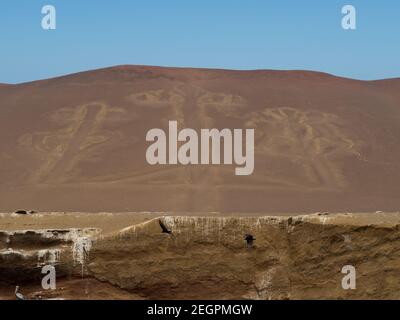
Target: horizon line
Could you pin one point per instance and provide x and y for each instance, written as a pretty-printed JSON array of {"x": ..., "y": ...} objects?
[{"x": 196, "y": 68}]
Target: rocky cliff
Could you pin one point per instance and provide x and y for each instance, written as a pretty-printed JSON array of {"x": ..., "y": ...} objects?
[{"x": 291, "y": 257}]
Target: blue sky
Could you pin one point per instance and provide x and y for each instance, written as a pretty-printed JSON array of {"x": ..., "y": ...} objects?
[{"x": 234, "y": 34}]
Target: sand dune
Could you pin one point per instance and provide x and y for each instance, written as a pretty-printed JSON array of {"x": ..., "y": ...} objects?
[{"x": 77, "y": 143}]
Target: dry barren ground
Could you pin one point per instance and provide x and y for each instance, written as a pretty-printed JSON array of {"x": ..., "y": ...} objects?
[{"x": 77, "y": 143}]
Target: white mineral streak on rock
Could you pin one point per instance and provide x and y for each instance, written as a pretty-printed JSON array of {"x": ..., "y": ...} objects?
[
  {"x": 11, "y": 252},
  {"x": 169, "y": 222},
  {"x": 217, "y": 224},
  {"x": 80, "y": 252},
  {"x": 263, "y": 286},
  {"x": 48, "y": 256},
  {"x": 81, "y": 240},
  {"x": 65, "y": 235},
  {"x": 44, "y": 257},
  {"x": 128, "y": 229},
  {"x": 81, "y": 249},
  {"x": 135, "y": 228},
  {"x": 207, "y": 226}
]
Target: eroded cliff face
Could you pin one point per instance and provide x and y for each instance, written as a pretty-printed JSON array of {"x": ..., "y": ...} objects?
[
  {"x": 23, "y": 253},
  {"x": 292, "y": 258},
  {"x": 299, "y": 257}
]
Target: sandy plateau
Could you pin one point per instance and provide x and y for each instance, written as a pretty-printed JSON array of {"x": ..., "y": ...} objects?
[{"x": 204, "y": 257}]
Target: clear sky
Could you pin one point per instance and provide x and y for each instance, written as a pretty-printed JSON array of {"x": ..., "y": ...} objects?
[{"x": 234, "y": 34}]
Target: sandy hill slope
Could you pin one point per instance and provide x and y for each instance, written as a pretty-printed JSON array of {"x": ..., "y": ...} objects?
[{"x": 77, "y": 142}]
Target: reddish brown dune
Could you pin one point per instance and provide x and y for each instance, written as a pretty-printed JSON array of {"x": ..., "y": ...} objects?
[{"x": 77, "y": 142}]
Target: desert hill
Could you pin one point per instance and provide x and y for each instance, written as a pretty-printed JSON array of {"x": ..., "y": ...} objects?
[{"x": 77, "y": 143}]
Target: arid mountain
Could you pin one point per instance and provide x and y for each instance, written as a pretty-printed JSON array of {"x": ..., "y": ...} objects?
[{"x": 77, "y": 143}]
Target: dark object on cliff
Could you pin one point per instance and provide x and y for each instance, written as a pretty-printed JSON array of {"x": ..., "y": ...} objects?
[
  {"x": 250, "y": 240},
  {"x": 25, "y": 212},
  {"x": 18, "y": 295},
  {"x": 164, "y": 228},
  {"x": 21, "y": 212}
]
